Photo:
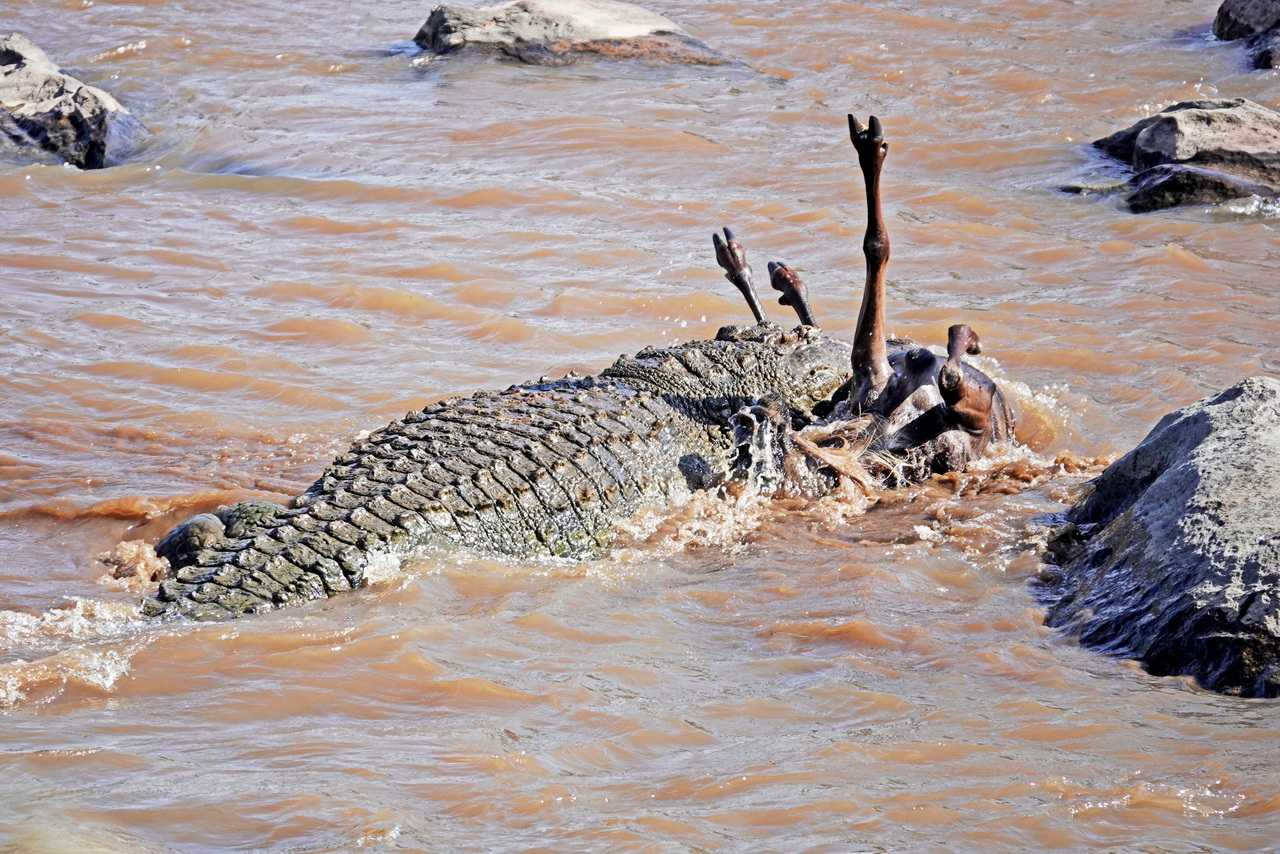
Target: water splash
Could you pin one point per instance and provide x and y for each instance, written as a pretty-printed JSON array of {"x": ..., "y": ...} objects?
[{"x": 1250, "y": 207}]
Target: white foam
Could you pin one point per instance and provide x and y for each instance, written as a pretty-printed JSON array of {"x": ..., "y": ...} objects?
[
  {"x": 87, "y": 642},
  {"x": 1252, "y": 207},
  {"x": 79, "y": 620},
  {"x": 383, "y": 568},
  {"x": 78, "y": 666}
]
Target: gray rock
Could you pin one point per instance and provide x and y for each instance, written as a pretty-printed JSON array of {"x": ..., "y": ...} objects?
[
  {"x": 1239, "y": 18},
  {"x": 44, "y": 109},
  {"x": 1256, "y": 21},
  {"x": 558, "y": 32},
  {"x": 1170, "y": 185},
  {"x": 1266, "y": 49},
  {"x": 1174, "y": 558},
  {"x": 1231, "y": 145},
  {"x": 1237, "y": 133}
]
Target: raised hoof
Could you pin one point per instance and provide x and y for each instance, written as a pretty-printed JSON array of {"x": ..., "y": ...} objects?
[
  {"x": 733, "y": 258},
  {"x": 869, "y": 141},
  {"x": 961, "y": 338},
  {"x": 786, "y": 281}
]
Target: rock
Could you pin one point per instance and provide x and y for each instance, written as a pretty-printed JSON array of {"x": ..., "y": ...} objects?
[
  {"x": 1257, "y": 21},
  {"x": 1222, "y": 133},
  {"x": 1239, "y": 18},
  {"x": 1170, "y": 185},
  {"x": 1233, "y": 146},
  {"x": 558, "y": 32},
  {"x": 1266, "y": 49},
  {"x": 43, "y": 108},
  {"x": 1174, "y": 558}
]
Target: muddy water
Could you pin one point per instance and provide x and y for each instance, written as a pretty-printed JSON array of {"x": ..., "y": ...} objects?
[{"x": 324, "y": 234}]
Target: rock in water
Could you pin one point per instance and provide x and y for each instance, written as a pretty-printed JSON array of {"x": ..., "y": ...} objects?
[
  {"x": 1255, "y": 21},
  {"x": 1170, "y": 185},
  {"x": 1200, "y": 152},
  {"x": 1240, "y": 18},
  {"x": 43, "y": 108},
  {"x": 1266, "y": 49},
  {"x": 557, "y": 32},
  {"x": 1174, "y": 559}
]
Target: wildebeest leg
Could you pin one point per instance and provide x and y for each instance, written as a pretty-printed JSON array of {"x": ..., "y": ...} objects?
[
  {"x": 731, "y": 256},
  {"x": 969, "y": 395},
  {"x": 787, "y": 282},
  {"x": 871, "y": 369}
]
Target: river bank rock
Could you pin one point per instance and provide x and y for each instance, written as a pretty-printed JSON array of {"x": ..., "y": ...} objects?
[
  {"x": 1174, "y": 558},
  {"x": 1237, "y": 19},
  {"x": 1266, "y": 49},
  {"x": 559, "y": 32},
  {"x": 43, "y": 109},
  {"x": 1256, "y": 21},
  {"x": 1200, "y": 152}
]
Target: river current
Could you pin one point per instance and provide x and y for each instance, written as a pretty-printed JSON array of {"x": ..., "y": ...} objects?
[{"x": 327, "y": 231}]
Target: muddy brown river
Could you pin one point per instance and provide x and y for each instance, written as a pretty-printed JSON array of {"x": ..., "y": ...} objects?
[{"x": 326, "y": 232}]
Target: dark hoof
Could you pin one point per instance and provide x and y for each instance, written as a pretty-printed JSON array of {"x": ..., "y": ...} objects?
[
  {"x": 786, "y": 281},
  {"x": 733, "y": 258},
  {"x": 869, "y": 141},
  {"x": 962, "y": 339}
]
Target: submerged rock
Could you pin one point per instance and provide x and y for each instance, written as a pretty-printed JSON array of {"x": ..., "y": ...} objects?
[
  {"x": 1200, "y": 152},
  {"x": 44, "y": 109},
  {"x": 1174, "y": 558},
  {"x": 1266, "y": 49},
  {"x": 558, "y": 32}
]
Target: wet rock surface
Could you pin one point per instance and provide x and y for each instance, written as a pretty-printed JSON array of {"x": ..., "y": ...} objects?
[
  {"x": 1170, "y": 185},
  {"x": 1237, "y": 19},
  {"x": 1200, "y": 152},
  {"x": 1174, "y": 558},
  {"x": 559, "y": 32},
  {"x": 44, "y": 111},
  {"x": 1257, "y": 22},
  {"x": 1265, "y": 48}
]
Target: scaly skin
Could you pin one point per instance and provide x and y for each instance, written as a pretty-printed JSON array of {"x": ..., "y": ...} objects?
[{"x": 540, "y": 470}]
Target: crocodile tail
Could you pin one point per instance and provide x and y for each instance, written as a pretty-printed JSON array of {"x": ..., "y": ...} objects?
[
  {"x": 544, "y": 471},
  {"x": 298, "y": 558}
]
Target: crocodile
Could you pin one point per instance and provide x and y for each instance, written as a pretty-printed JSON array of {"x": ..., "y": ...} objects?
[{"x": 549, "y": 469}]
